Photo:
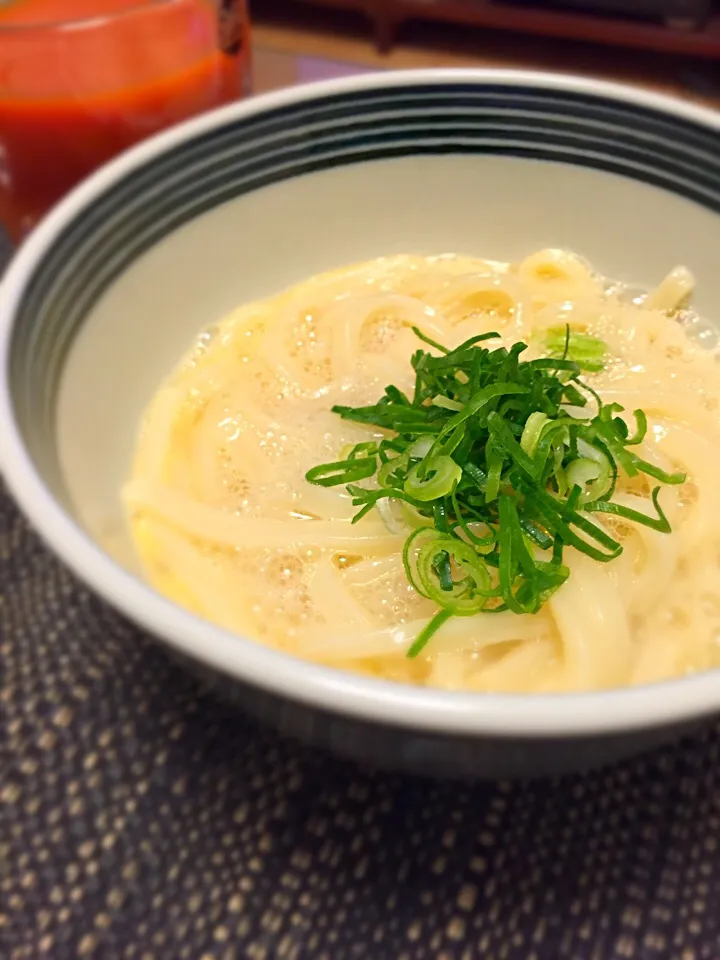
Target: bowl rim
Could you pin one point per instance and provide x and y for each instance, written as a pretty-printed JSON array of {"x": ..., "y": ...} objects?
[{"x": 335, "y": 691}]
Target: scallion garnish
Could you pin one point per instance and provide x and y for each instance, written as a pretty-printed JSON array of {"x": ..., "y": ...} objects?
[
  {"x": 494, "y": 477},
  {"x": 587, "y": 352}
]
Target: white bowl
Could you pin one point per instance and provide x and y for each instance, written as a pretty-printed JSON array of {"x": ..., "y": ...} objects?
[{"x": 109, "y": 291}]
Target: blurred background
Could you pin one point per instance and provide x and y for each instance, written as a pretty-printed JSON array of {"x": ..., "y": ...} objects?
[
  {"x": 669, "y": 45},
  {"x": 82, "y": 80}
]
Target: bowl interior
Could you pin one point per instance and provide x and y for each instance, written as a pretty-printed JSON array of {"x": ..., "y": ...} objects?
[{"x": 263, "y": 241}]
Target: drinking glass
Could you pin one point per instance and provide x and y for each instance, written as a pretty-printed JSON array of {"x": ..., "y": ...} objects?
[{"x": 81, "y": 80}]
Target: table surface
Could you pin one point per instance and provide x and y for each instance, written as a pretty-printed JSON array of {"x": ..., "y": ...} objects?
[
  {"x": 140, "y": 817},
  {"x": 287, "y": 31}
]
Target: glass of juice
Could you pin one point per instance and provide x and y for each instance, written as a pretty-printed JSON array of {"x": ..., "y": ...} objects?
[{"x": 81, "y": 80}]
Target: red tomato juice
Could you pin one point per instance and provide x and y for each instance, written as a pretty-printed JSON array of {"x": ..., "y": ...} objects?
[{"x": 81, "y": 80}]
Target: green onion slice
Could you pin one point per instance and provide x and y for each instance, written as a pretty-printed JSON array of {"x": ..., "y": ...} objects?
[
  {"x": 441, "y": 475},
  {"x": 342, "y": 471}
]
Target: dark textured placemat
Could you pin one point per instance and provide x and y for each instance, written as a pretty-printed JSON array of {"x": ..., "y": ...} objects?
[{"x": 142, "y": 818}]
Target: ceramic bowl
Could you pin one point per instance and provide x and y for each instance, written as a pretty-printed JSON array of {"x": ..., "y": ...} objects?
[{"x": 108, "y": 292}]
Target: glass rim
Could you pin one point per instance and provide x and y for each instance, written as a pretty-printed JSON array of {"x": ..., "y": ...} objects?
[{"x": 88, "y": 21}]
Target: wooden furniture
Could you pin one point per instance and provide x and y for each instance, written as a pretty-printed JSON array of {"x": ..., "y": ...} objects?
[{"x": 690, "y": 28}]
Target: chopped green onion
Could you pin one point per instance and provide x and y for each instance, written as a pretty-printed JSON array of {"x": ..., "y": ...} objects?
[
  {"x": 641, "y": 430},
  {"x": 532, "y": 430},
  {"x": 652, "y": 471},
  {"x": 390, "y": 467},
  {"x": 420, "y": 448},
  {"x": 342, "y": 471},
  {"x": 592, "y": 472},
  {"x": 431, "y": 343},
  {"x": 446, "y": 403},
  {"x": 470, "y": 592},
  {"x": 442, "y": 473},
  {"x": 660, "y": 523},
  {"x": 583, "y": 473},
  {"x": 587, "y": 352},
  {"x": 495, "y": 462},
  {"x": 493, "y": 470},
  {"x": 428, "y": 631}
]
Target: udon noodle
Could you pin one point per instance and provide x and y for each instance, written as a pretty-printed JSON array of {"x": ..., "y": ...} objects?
[{"x": 226, "y": 525}]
